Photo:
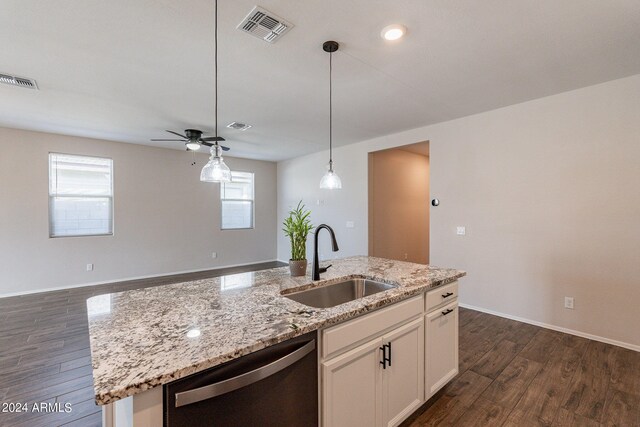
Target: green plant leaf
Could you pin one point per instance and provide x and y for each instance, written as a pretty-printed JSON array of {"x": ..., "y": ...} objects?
[{"x": 297, "y": 227}]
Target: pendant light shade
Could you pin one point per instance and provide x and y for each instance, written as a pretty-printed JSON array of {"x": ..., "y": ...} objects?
[
  {"x": 215, "y": 170},
  {"x": 330, "y": 180}
]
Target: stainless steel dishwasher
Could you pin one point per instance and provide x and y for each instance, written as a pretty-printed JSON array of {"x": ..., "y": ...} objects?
[{"x": 276, "y": 386}]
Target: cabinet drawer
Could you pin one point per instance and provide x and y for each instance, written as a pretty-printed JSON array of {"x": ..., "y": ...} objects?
[
  {"x": 441, "y": 295},
  {"x": 340, "y": 338}
]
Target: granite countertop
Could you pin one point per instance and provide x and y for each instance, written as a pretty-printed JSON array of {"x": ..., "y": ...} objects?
[{"x": 139, "y": 339}]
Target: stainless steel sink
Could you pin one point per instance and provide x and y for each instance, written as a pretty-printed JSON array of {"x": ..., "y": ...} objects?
[{"x": 339, "y": 293}]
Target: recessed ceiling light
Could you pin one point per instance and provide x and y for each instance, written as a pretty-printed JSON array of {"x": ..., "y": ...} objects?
[
  {"x": 393, "y": 32},
  {"x": 238, "y": 126}
]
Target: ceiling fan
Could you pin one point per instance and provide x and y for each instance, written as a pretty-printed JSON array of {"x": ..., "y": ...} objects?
[{"x": 193, "y": 140}]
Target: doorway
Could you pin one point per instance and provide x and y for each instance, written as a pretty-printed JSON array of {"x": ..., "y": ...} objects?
[{"x": 399, "y": 203}]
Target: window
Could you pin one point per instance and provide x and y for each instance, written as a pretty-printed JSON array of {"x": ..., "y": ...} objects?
[
  {"x": 80, "y": 195},
  {"x": 237, "y": 201}
]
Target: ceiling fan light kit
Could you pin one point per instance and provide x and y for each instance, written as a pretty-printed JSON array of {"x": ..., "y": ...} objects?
[
  {"x": 330, "y": 180},
  {"x": 193, "y": 146},
  {"x": 193, "y": 140}
]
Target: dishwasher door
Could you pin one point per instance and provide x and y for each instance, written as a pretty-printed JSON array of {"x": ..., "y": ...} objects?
[{"x": 276, "y": 386}]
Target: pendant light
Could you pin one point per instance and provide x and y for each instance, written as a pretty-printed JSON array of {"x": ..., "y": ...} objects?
[
  {"x": 330, "y": 180},
  {"x": 216, "y": 170}
]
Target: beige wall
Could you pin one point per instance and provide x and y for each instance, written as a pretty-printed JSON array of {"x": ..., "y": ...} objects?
[
  {"x": 549, "y": 193},
  {"x": 165, "y": 220},
  {"x": 399, "y": 205}
]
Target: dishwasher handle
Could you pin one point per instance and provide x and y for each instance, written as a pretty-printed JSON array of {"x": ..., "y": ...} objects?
[{"x": 222, "y": 387}]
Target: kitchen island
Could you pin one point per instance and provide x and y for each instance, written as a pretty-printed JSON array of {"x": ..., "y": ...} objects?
[{"x": 143, "y": 339}]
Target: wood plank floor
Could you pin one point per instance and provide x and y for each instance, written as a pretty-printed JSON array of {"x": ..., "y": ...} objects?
[
  {"x": 518, "y": 375},
  {"x": 511, "y": 373},
  {"x": 44, "y": 350}
]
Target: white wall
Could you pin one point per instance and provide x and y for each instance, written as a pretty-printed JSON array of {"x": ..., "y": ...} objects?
[
  {"x": 549, "y": 191},
  {"x": 165, "y": 219}
]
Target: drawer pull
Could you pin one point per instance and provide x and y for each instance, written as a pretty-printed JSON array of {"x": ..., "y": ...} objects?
[
  {"x": 444, "y": 313},
  {"x": 447, "y": 295},
  {"x": 386, "y": 359}
]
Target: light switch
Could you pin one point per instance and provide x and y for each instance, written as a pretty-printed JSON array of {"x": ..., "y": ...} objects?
[
  {"x": 350, "y": 224},
  {"x": 461, "y": 231},
  {"x": 89, "y": 267}
]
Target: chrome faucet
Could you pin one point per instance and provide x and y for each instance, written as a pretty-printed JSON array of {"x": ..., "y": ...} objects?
[{"x": 316, "y": 264}]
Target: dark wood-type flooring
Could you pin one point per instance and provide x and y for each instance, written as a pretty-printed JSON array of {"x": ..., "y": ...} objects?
[
  {"x": 44, "y": 349},
  {"x": 511, "y": 373},
  {"x": 518, "y": 375}
]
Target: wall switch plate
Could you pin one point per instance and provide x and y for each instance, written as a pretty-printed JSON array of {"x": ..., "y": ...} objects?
[
  {"x": 89, "y": 267},
  {"x": 461, "y": 231},
  {"x": 351, "y": 224},
  {"x": 214, "y": 255},
  {"x": 568, "y": 302}
]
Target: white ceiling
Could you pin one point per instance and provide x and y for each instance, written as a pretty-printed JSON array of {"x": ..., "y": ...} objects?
[{"x": 125, "y": 70}]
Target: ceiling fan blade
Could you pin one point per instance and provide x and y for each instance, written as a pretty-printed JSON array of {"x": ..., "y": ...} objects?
[
  {"x": 208, "y": 144},
  {"x": 179, "y": 140},
  {"x": 176, "y": 133},
  {"x": 225, "y": 148},
  {"x": 212, "y": 138}
]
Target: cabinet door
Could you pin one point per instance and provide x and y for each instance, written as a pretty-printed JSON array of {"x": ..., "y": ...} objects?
[
  {"x": 352, "y": 387},
  {"x": 441, "y": 347},
  {"x": 403, "y": 380}
]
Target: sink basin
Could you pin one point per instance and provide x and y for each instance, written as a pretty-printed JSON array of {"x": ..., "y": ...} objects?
[{"x": 339, "y": 293}]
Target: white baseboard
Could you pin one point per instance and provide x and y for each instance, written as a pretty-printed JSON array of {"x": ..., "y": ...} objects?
[
  {"x": 125, "y": 279},
  {"x": 555, "y": 328}
]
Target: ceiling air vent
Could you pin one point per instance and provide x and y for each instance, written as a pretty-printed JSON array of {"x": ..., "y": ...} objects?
[
  {"x": 18, "y": 81},
  {"x": 238, "y": 126},
  {"x": 265, "y": 25}
]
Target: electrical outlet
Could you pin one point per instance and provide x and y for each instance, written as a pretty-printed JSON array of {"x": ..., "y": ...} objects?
[
  {"x": 350, "y": 224},
  {"x": 568, "y": 302},
  {"x": 461, "y": 231},
  {"x": 214, "y": 255},
  {"x": 406, "y": 256},
  {"x": 89, "y": 267}
]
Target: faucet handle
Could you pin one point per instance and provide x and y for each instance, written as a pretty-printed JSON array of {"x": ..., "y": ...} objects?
[{"x": 323, "y": 269}]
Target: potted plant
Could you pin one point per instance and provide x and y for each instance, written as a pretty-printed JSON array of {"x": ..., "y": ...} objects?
[{"x": 297, "y": 227}]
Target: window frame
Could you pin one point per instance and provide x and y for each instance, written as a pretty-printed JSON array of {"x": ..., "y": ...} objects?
[
  {"x": 51, "y": 197},
  {"x": 252, "y": 200}
]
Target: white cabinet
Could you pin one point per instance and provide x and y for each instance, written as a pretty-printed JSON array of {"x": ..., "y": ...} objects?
[
  {"x": 403, "y": 380},
  {"x": 420, "y": 338},
  {"x": 352, "y": 387},
  {"x": 372, "y": 369},
  {"x": 441, "y": 349},
  {"x": 361, "y": 388}
]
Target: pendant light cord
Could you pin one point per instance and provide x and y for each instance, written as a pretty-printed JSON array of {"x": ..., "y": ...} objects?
[
  {"x": 330, "y": 113},
  {"x": 215, "y": 38}
]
